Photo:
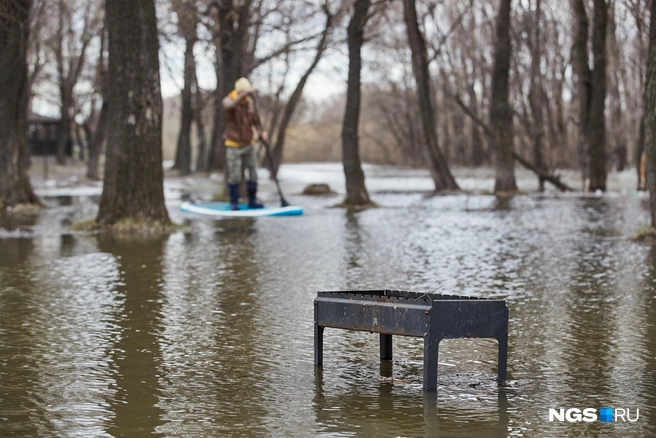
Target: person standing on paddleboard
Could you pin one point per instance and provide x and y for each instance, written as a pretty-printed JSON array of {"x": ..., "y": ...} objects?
[{"x": 240, "y": 148}]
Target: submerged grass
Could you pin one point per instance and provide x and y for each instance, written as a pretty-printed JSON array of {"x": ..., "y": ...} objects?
[
  {"x": 318, "y": 190},
  {"x": 356, "y": 207},
  {"x": 130, "y": 226},
  {"x": 22, "y": 208},
  {"x": 645, "y": 234}
]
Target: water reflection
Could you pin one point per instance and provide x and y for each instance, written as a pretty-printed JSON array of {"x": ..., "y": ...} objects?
[
  {"x": 56, "y": 320},
  {"x": 21, "y": 408},
  {"x": 135, "y": 355},
  {"x": 15, "y": 251},
  {"x": 209, "y": 332},
  {"x": 649, "y": 342},
  {"x": 394, "y": 409}
]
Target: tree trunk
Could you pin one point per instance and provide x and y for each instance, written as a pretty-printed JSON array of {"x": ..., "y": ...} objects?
[
  {"x": 478, "y": 153},
  {"x": 63, "y": 130},
  {"x": 596, "y": 129},
  {"x": 615, "y": 132},
  {"x": 296, "y": 97},
  {"x": 183, "y": 152},
  {"x": 97, "y": 140},
  {"x": 535, "y": 96},
  {"x": 133, "y": 184},
  {"x": 356, "y": 192},
  {"x": 201, "y": 156},
  {"x": 231, "y": 57},
  {"x": 15, "y": 187},
  {"x": 223, "y": 58},
  {"x": 439, "y": 169},
  {"x": 217, "y": 155},
  {"x": 584, "y": 81},
  {"x": 650, "y": 114},
  {"x": 501, "y": 116},
  {"x": 640, "y": 152}
]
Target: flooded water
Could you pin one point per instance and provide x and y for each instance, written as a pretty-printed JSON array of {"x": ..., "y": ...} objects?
[{"x": 209, "y": 332}]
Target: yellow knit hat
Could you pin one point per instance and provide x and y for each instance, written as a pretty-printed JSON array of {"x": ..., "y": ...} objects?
[{"x": 243, "y": 84}]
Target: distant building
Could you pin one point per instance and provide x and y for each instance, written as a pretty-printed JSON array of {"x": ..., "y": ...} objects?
[{"x": 43, "y": 135}]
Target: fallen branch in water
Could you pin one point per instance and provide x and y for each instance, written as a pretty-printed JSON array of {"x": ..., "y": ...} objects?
[{"x": 553, "y": 179}]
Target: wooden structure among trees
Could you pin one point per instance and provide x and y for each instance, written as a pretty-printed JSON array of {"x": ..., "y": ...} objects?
[{"x": 43, "y": 135}]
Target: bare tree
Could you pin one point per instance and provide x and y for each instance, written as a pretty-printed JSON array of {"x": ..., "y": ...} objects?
[
  {"x": 15, "y": 187},
  {"x": 199, "y": 107},
  {"x": 187, "y": 15},
  {"x": 591, "y": 93},
  {"x": 536, "y": 94},
  {"x": 133, "y": 184},
  {"x": 439, "y": 168},
  {"x": 650, "y": 114},
  {"x": 501, "y": 115},
  {"x": 69, "y": 47},
  {"x": 231, "y": 43},
  {"x": 356, "y": 191},
  {"x": 293, "y": 101},
  {"x": 596, "y": 129},
  {"x": 98, "y": 137}
]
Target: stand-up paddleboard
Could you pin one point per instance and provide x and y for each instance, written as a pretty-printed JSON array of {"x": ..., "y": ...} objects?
[{"x": 222, "y": 209}]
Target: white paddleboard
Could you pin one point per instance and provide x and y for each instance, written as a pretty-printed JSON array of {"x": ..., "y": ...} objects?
[{"x": 222, "y": 209}]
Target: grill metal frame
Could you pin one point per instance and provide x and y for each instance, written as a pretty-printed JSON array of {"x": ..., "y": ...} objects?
[{"x": 432, "y": 316}]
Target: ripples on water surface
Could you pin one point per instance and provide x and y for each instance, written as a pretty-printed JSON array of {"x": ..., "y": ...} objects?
[{"x": 210, "y": 332}]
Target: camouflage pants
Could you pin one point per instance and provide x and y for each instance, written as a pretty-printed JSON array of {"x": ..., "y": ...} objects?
[{"x": 238, "y": 155}]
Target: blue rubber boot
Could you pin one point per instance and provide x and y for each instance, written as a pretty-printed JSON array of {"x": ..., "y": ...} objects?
[
  {"x": 233, "y": 190},
  {"x": 251, "y": 188}
]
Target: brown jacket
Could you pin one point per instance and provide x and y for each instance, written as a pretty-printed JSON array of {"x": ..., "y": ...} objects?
[{"x": 240, "y": 120}]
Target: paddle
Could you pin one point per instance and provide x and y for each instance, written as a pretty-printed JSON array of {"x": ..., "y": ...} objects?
[{"x": 283, "y": 202}]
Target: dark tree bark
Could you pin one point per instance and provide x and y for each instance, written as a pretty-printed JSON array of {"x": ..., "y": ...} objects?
[
  {"x": 64, "y": 127},
  {"x": 97, "y": 140},
  {"x": 356, "y": 192},
  {"x": 223, "y": 59},
  {"x": 501, "y": 114},
  {"x": 584, "y": 79},
  {"x": 133, "y": 184},
  {"x": 183, "y": 152},
  {"x": 99, "y": 135},
  {"x": 439, "y": 168},
  {"x": 216, "y": 157},
  {"x": 535, "y": 96},
  {"x": 592, "y": 93},
  {"x": 596, "y": 129},
  {"x": 199, "y": 105},
  {"x": 478, "y": 152},
  {"x": 616, "y": 131},
  {"x": 650, "y": 114},
  {"x": 640, "y": 155},
  {"x": 15, "y": 187},
  {"x": 296, "y": 96}
]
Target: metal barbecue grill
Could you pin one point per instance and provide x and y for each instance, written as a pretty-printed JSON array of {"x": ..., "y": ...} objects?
[{"x": 431, "y": 316}]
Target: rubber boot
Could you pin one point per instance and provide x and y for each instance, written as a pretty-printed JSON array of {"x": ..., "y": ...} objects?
[
  {"x": 251, "y": 188},
  {"x": 233, "y": 190}
]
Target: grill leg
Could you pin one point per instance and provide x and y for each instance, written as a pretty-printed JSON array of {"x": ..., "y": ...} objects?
[
  {"x": 385, "y": 346},
  {"x": 503, "y": 356},
  {"x": 431, "y": 345},
  {"x": 318, "y": 345}
]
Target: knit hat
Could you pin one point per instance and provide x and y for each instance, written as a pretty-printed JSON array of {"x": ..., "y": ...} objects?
[{"x": 243, "y": 84}]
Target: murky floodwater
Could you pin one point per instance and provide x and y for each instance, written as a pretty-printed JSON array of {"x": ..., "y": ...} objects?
[{"x": 210, "y": 332}]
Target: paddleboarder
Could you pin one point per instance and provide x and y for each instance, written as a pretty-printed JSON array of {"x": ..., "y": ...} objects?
[{"x": 240, "y": 148}]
